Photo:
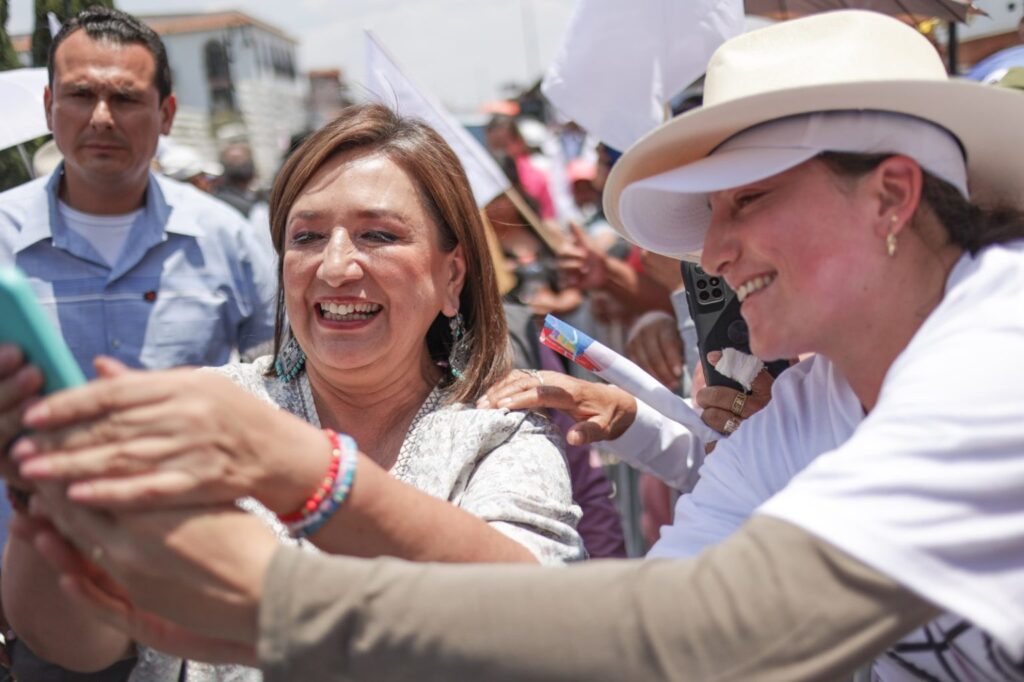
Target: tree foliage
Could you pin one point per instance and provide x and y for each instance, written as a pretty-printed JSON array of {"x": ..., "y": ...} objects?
[
  {"x": 62, "y": 9},
  {"x": 12, "y": 168},
  {"x": 8, "y": 57}
]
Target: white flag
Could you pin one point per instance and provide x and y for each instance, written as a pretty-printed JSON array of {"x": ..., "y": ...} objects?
[
  {"x": 54, "y": 23},
  {"x": 385, "y": 78},
  {"x": 621, "y": 62}
]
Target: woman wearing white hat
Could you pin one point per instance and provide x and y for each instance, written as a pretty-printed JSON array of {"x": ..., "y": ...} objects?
[{"x": 825, "y": 179}]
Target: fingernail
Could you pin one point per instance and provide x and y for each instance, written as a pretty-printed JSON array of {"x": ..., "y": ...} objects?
[
  {"x": 22, "y": 448},
  {"x": 35, "y": 468},
  {"x": 36, "y": 415},
  {"x": 504, "y": 402},
  {"x": 81, "y": 492},
  {"x": 677, "y": 370},
  {"x": 483, "y": 404}
]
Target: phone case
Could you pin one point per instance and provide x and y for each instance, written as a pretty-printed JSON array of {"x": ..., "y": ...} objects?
[
  {"x": 23, "y": 323},
  {"x": 716, "y": 315}
]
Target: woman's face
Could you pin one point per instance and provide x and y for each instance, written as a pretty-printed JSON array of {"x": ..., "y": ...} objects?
[
  {"x": 364, "y": 274},
  {"x": 801, "y": 250}
]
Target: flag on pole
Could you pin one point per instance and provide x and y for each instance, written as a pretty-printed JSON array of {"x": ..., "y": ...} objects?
[
  {"x": 54, "y": 23},
  {"x": 621, "y": 62},
  {"x": 387, "y": 80}
]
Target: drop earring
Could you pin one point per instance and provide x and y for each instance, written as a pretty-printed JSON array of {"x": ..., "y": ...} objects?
[
  {"x": 290, "y": 359},
  {"x": 890, "y": 239},
  {"x": 458, "y": 356}
]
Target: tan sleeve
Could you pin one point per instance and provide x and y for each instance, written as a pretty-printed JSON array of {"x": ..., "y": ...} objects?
[{"x": 770, "y": 603}]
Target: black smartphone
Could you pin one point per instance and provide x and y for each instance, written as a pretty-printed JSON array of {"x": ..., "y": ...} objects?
[{"x": 716, "y": 315}]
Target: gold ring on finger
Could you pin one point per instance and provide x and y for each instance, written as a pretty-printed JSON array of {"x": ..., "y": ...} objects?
[
  {"x": 731, "y": 425},
  {"x": 536, "y": 375},
  {"x": 738, "y": 403}
]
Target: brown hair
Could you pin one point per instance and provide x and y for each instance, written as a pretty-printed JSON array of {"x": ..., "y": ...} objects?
[
  {"x": 968, "y": 226},
  {"x": 446, "y": 195}
]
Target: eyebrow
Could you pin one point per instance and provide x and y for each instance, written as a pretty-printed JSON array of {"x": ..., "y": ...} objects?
[
  {"x": 381, "y": 214},
  {"x": 85, "y": 86},
  {"x": 361, "y": 214}
]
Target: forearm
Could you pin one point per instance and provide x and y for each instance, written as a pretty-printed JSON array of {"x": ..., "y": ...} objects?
[
  {"x": 772, "y": 603},
  {"x": 55, "y": 627},
  {"x": 655, "y": 444},
  {"x": 385, "y": 517},
  {"x": 381, "y": 516}
]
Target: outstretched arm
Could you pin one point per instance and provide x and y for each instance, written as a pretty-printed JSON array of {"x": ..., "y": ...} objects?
[{"x": 772, "y": 602}]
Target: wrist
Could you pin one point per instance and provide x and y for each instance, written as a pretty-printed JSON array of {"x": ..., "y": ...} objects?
[
  {"x": 284, "y": 488},
  {"x": 317, "y": 509}
]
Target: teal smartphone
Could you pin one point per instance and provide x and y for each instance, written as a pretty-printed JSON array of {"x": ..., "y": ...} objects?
[{"x": 24, "y": 324}]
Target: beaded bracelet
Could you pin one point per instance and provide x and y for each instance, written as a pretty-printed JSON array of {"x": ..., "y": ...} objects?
[
  {"x": 313, "y": 516},
  {"x": 313, "y": 502}
]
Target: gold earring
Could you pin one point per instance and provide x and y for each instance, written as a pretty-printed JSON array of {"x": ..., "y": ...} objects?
[{"x": 890, "y": 239}]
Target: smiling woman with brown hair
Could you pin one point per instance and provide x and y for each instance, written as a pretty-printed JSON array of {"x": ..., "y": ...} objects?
[{"x": 389, "y": 327}]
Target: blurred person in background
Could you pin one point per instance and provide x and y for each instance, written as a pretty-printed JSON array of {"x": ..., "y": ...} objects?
[
  {"x": 236, "y": 184},
  {"x": 185, "y": 165},
  {"x": 504, "y": 138}
]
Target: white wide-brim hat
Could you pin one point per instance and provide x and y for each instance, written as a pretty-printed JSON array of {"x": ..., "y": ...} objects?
[{"x": 847, "y": 60}]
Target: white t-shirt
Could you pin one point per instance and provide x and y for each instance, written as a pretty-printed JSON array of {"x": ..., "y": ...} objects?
[
  {"x": 929, "y": 489},
  {"x": 813, "y": 411},
  {"x": 106, "y": 233}
]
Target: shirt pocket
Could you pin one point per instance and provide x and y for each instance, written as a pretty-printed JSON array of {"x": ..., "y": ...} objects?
[{"x": 188, "y": 328}]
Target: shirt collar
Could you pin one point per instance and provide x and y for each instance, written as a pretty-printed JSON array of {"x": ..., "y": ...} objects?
[{"x": 44, "y": 220}]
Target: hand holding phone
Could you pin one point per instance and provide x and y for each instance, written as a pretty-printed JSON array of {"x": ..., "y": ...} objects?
[
  {"x": 716, "y": 315},
  {"x": 24, "y": 324}
]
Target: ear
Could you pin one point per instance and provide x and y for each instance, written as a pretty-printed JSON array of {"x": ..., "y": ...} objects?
[
  {"x": 167, "y": 110},
  {"x": 456, "y": 280},
  {"x": 898, "y": 181},
  {"x": 48, "y": 107}
]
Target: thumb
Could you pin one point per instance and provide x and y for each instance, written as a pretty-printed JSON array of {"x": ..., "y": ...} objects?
[
  {"x": 585, "y": 433},
  {"x": 107, "y": 367}
]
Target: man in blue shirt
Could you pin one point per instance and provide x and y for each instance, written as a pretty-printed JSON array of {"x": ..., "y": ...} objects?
[
  {"x": 142, "y": 268},
  {"x": 127, "y": 264}
]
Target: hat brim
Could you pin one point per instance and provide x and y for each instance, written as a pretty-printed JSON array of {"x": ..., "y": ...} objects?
[{"x": 977, "y": 115}]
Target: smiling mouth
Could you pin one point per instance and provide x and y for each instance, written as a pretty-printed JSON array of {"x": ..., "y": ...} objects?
[
  {"x": 348, "y": 312},
  {"x": 752, "y": 286}
]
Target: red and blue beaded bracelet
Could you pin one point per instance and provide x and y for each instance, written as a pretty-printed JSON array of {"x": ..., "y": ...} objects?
[{"x": 329, "y": 496}]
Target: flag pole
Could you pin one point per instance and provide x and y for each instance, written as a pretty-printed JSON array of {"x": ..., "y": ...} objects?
[{"x": 552, "y": 239}]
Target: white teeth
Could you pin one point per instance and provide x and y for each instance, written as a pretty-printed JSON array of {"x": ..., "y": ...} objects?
[
  {"x": 349, "y": 311},
  {"x": 752, "y": 285}
]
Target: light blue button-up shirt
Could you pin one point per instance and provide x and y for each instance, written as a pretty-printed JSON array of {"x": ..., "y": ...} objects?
[{"x": 192, "y": 283}]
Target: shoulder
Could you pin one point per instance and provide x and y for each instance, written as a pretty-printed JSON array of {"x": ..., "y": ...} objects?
[
  {"x": 994, "y": 276},
  {"x": 491, "y": 428},
  {"x": 967, "y": 343},
  {"x": 16, "y": 202}
]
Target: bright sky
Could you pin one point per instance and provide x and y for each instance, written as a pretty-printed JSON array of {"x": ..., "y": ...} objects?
[{"x": 462, "y": 51}]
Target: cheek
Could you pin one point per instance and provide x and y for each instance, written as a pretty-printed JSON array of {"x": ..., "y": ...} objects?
[{"x": 295, "y": 278}]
